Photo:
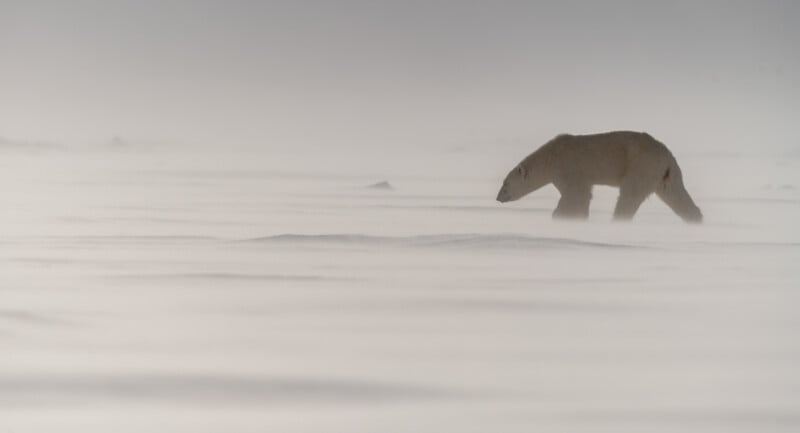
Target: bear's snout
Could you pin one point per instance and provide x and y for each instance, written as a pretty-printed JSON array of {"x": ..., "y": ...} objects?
[{"x": 503, "y": 196}]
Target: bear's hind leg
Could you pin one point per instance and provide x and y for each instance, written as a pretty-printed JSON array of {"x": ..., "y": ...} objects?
[
  {"x": 631, "y": 196},
  {"x": 679, "y": 200},
  {"x": 574, "y": 203}
]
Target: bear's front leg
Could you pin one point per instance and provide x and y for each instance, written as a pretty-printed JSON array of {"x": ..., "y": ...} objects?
[{"x": 574, "y": 202}]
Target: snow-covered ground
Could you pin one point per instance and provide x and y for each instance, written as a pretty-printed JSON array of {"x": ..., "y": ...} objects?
[{"x": 160, "y": 291}]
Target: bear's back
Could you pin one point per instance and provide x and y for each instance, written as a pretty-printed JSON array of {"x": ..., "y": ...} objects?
[{"x": 603, "y": 158}]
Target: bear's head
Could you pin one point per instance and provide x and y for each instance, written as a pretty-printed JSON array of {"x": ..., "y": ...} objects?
[{"x": 515, "y": 186}]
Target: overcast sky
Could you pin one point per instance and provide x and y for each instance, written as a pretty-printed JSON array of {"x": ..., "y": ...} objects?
[{"x": 333, "y": 73}]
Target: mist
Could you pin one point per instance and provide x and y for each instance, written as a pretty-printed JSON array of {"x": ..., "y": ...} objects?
[
  {"x": 281, "y": 216},
  {"x": 708, "y": 75}
]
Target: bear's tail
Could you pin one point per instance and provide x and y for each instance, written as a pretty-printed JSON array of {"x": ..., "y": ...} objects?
[{"x": 674, "y": 194}]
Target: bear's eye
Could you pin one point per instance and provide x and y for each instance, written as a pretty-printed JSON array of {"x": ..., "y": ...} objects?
[{"x": 521, "y": 171}]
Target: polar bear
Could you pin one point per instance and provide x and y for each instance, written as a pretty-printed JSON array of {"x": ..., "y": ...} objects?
[{"x": 635, "y": 162}]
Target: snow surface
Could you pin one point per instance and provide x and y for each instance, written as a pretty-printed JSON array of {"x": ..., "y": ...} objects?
[{"x": 159, "y": 292}]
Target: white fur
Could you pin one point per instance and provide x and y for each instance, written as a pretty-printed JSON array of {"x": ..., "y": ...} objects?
[{"x": 635, "y": 162}]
